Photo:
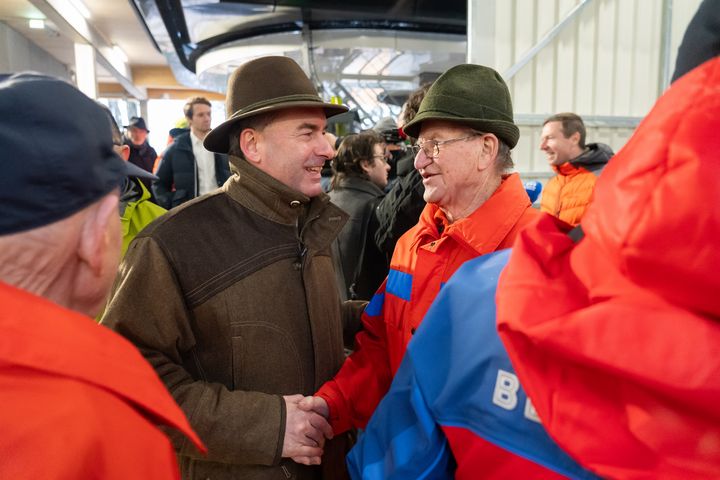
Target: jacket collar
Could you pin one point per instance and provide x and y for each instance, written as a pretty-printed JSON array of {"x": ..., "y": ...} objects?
[
  {"x": 44, "y": 336},
  {"x": 269, "y": 198},
  {"x": 360, "y": 184},
  {"x": 138, "y": 148},
  {"x": 486, "y": 228},
  {"x": 567, "y": 169},
  {"x": 183, "y": 142}
]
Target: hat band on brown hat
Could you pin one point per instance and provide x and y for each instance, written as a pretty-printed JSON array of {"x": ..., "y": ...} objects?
[{"x": 276, "y": 101}]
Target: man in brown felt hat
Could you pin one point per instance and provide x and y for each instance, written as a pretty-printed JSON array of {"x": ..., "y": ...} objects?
[
  {"x": 231, "y": 296},
  {"x": 465, "y": 132}
]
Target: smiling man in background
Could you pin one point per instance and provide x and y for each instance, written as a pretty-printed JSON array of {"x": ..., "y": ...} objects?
[{"x": 568, "y": 194}]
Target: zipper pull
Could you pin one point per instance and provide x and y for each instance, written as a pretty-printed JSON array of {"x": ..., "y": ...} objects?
[{"x": 302, "y": 251}]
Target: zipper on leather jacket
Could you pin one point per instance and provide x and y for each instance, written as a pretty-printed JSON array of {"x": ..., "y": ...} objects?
[
  {"x": 302, "y": 249},
  {"x": 286, "y": 471},
  {"x": 302, "y": 252}
]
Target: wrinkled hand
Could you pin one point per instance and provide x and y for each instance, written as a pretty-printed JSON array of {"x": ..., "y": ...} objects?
[
  {"x": 305, "y": 432},
  {"x": 315, "y": 404}
]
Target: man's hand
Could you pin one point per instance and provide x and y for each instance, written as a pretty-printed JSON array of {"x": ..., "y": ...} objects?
[
  {"x": 315, "y": 404},
  {"x": 305, "y": 432}
]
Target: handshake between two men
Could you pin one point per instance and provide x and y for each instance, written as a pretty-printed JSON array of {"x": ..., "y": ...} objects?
[{"x": 306, "y": 428}]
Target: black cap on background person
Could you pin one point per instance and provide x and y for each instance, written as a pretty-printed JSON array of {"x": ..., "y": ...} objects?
[
  {"x": 58, "y": 155},
  {"x": 137, "y": 122}
]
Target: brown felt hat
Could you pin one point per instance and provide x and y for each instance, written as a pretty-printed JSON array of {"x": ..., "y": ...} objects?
[
  {"x": 473, "y": 95},
  {"x": 263, "y": 85}
]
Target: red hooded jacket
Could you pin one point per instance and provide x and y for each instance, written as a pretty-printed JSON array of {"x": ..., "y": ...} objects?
[{"x": 616, "y": 338}]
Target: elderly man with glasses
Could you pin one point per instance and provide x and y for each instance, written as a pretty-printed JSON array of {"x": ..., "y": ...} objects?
[{"x": 465, "y": 132}]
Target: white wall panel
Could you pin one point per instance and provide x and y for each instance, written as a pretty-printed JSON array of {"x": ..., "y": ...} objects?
[
  {"x": 544, "y": 79},
  {"x": 524, "y": 38},
  {"x": 607, "y": 63},
  {"x": 604, "y": 58}
]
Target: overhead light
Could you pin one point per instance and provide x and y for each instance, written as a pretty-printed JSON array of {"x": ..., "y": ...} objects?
[
  {"x": 85, "y": 74},
  {"x": 80, "y": 7},
  {"x": 37, "y": 23},
  {"x": 120, "y": 54}
]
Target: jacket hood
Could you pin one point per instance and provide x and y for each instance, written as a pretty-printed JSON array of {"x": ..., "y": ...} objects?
[
  {"x": 622, "y": 327},
  {"x": 654, "y": 210},
  {"x": 596, "y": 154}
]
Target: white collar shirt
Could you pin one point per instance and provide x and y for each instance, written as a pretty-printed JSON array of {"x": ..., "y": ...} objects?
[{"x": 205, "y": 161}]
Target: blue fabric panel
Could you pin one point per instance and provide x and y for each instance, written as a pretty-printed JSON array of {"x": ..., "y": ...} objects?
[
  {"x": 448, "y": 377},
  {"x": 376, "y": 304},
  {"x": 399, "y": 284},
  {"x": 410, "y": 444}
]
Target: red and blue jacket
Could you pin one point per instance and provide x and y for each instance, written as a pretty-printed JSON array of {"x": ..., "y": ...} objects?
[
  {"x": 456, "y": 408},
  {"x": 424, "y": 259}
]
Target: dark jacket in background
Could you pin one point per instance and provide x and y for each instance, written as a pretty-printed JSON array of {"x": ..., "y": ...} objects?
[
  {"x": 358, "y": 197},
  {"x": 400, "y": 209},
  {"x": 177, "y": 173},
  {"x": 144, "y": 157},
  {"x": 231, "y": 298}
]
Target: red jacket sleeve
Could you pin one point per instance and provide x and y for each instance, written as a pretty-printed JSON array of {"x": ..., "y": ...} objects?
[{"x": 365, "y": 376}]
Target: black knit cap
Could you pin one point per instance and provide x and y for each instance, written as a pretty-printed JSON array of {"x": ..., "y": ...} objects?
[
  {"x": 472, "y": 95},
  {"x": 57, "y": 152}
]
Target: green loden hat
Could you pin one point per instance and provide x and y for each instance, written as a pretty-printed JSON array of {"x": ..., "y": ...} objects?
[
  {"x": 473, "y": 95},
  {"x": 263, "y": 85}
]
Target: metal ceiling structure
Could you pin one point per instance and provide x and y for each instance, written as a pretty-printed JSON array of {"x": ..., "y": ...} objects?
[{"x": 365, "y": 52}]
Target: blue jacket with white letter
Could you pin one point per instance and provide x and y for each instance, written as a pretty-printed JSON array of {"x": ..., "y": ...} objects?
[{"x": 457, "y": 375}]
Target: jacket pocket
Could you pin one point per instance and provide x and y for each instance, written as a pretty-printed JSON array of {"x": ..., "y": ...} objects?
[{"x": 266, "y": 359}]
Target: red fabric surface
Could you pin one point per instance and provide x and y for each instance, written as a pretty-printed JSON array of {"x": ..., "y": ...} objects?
[
  {"x": 616, "y": 338},
  {"x": 78, "y": 400}
]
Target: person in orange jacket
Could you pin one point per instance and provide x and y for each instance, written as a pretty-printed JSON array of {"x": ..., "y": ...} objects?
[
  {"x": 568, "y": 194},
  {"x": 78, "y": 400},
  {"x": 465, "y": 132}
]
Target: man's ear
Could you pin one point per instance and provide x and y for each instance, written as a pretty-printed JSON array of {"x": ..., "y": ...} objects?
[
  {"x": 365, "y": 165},
  {"x": 489, "y": 148},
  {"x": 250, "y": 145},
  {"x": 96, "y": 238},
  {"x": 125, "y": 152},
  {"x": 575, "y": 138}
]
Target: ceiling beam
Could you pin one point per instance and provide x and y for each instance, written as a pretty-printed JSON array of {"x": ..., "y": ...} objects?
[
  {"x": 73, "y": 25},
  {"x": 154, "y": 77}
]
